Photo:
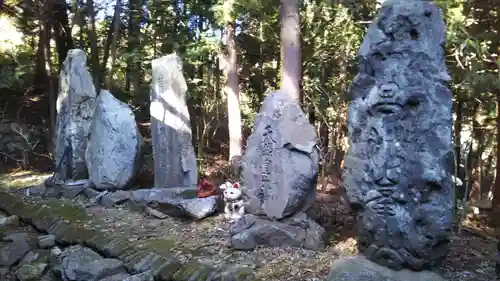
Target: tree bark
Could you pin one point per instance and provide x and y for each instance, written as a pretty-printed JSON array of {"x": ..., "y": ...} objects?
[
  {"x": 62, "y": 31},
  {"x": 94, "y": 51},
  {"x": 496, "y": 187},
  {"x": 290, "y": 48},
  {"x": 116, "y": 35},
  {"x": 134, "y": 48},
  {"x": 111, "y": 42},
  {"x": 233, "y": 100}
]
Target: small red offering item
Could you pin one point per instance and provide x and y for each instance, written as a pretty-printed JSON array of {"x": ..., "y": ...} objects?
[
  {"x": 236, "y": 185},
  {"x": 205, "y": 189}
]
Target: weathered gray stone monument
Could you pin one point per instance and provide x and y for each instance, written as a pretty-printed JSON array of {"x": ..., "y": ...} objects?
[
  {"x": 75, "y": 107},
  {"x": 114, "y": 150},
  {"x": 174, "y": 158},
  {"x": 280, "y": 168},
  {"x": 398, "y": 169}
]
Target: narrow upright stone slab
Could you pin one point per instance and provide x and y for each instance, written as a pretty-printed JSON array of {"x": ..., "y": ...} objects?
[
  {"x": 75, "y": 107},
  {"x": 398, "y": 170},
  {"x": 174, "y": 158},
  {"x": 280, "y": 164},
  {"x": 114, "y": 151}
]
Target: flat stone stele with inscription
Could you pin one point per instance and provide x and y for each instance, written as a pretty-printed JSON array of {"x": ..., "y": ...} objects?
[
  {"x": 398, "y": 169},
  {"x": 174, "y": 158},
  {"x": 280, "y": 168}
]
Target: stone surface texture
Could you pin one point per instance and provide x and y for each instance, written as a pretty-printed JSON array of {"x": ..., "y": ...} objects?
[
  {"x": 398, "y": 168},
  {"x": 75, "y": 107},
  {"x": 297, "y": 231},
  {"x": 358, "y": 268},
  {"x": 280, "y": 164},
  {"x": 114, "y": 150},
  {"x": 280, "y": 168},
  {"x": 174, "y": 158},
  {"x": 95, "y": 254}
]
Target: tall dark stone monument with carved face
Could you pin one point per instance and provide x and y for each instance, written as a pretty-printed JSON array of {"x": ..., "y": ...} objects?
[{"x": 399, "y": 165}]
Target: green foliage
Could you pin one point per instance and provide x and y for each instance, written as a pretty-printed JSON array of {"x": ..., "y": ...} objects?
[{"x": 16, "y": 70}]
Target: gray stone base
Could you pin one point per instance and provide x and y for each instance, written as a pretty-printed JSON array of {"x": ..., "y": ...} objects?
[
  {"x": 296, "y": 231},
  {"x": 174, "y": 201},
  {"x": 359, "y": 268}
]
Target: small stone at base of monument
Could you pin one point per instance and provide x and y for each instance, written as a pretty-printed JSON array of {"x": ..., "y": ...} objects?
[
  {"x": 9, "y": 221},
  {"x": 71, "y": 191},
  {"x": 13, "y": 252},
  {"x": 115, "y": 198},
  {"x": 359, "y": 268},
  {"x": 155, "y": 213},
  {"x": 197, "y": 208},
  {"x": 297, "y": 231},
  {"x": 46, "y": 241},
  {"x": 52, "y": 191},
  {"x": 90, "y": 192},
  {"x": 159, "y": 194},
  {"x": 31, "y": 191}
]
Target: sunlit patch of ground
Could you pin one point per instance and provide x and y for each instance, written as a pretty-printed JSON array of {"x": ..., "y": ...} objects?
[{"x": 21, "y": 179}]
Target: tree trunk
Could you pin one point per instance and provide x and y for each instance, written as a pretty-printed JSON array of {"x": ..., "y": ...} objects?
[
  {"x": 233, "y": 100},
  {"x": 114, "y": 43},
  {"x": 113, "y": 39},
  {"x": 290, "y": 48},
  {"x": 94, "y": 52},
  {"x": 496, "y": 187},
  {"x": 134, "y": 48},
  {"x": 78, "y": 21},
  {"x": 62, "y": 31},
  {"x": 41, "y": 76},
  {"x": 458, "y": 129}
]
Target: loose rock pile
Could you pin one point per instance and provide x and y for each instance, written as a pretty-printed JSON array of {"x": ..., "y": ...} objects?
[
  {"x": 28, "y": 256},
  {"x": 72, "y": 252}
]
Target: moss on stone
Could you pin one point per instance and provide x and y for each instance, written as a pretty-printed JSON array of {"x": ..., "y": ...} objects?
[
  {"x": 116, "y": 247},
  {"x": 193, "y": 271},
  {"x": 167, "y": 272},
  {"x": 156, "y": 254},
  {"x": 160, "y": 245},
  {"x": 68, "y": 212},
  {"x": 163, "y": 262}
]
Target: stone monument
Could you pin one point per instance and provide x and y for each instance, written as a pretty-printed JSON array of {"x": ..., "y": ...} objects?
[
  {"x": 174, "y": 158},
  {"x": 75, "y": 107},
  {"x": 398, "y": 169},
  {"x": 280, "y": 168},
  {"x": 114, "y": 150}
]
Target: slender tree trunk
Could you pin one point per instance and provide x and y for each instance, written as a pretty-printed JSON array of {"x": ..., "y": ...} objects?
[
  {"x": 94, "y": 51},
  {"x": 290, "y": 47},
  {"x": 111, "y": 42},
  {"x": 41, "y": 76},
  {"x": 62, "y": 31},
  {"x": 496, "y": 187},
  {"x": 233, "y": 100},
  {"x": 78, "y": 22},
  {"x": 114, "y": 43},
  {"x": 458, "y": 131},
  {"x": 134, "y": 48},
  {"x": 105, "y": 53},
  {"x": 260, "y": 95}
]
